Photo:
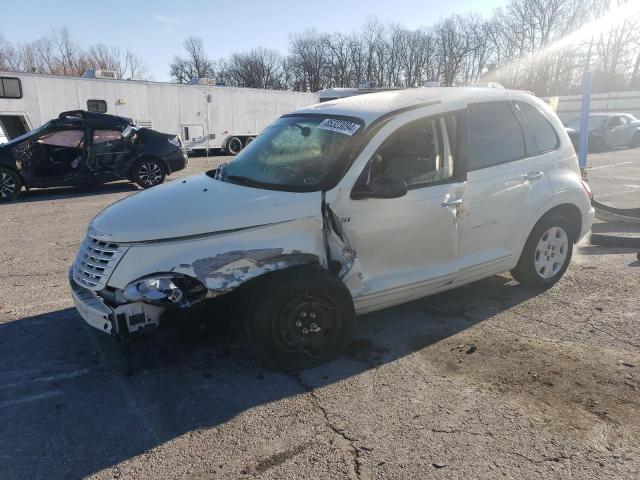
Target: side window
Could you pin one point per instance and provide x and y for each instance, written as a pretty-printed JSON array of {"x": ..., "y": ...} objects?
[
  {"x": 63, "y": 138},
  {"x": 419, "y": 152},
  {"x": 10, "y": 87},
  {"x": 97, "y": 106},
  {"x": 102, "y": 136},
  {"x": 495, "y": 135},
  {"x": 544, "y": 133}
]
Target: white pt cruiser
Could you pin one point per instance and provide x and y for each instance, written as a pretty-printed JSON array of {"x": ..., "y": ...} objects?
[{"x": 343, "y": 208}]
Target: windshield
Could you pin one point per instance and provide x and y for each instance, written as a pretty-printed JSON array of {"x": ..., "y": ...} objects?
[
  {"x": 30, "y": 133},
  {"x": 293, "y": 153},
  {"x": 595, "y": 122}
]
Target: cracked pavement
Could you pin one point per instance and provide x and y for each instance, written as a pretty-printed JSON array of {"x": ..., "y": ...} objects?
[{"x": 486, "y": 381}]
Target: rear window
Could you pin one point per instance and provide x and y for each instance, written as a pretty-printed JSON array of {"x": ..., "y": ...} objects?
[
  {"x": 10, "y": 87},
  {"x": 545, "y": 136},
  {"x": 495, "y": 135}
]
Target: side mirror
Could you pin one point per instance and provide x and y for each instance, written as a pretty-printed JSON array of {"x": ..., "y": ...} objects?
[{"x": 385, "y": 186}]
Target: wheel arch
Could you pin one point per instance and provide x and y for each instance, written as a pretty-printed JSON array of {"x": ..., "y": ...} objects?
[{"x": 143, "y": 157}]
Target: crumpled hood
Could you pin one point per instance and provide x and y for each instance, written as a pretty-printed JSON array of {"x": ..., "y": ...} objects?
[{"x": 198, "y": 205}]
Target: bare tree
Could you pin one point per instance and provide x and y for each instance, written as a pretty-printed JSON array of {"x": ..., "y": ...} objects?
[{"x": 195, "y": 64}]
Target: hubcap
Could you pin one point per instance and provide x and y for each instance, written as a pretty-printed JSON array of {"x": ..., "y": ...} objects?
[
  {"x": 150, "y": 173},
  {"x": 551, "y": 252},
  {"x": 305, "y": 322},
  {"x": 7, "y": 185}
]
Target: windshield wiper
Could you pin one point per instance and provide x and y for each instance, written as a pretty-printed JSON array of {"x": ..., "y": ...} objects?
[{"x": 247, "y": 182}]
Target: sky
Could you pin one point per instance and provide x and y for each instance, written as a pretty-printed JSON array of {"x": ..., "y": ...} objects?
[{"x": 156, "y": 29}]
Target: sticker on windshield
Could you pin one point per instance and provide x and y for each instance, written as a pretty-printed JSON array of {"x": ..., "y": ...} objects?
[{"x": 341, "y": 126}]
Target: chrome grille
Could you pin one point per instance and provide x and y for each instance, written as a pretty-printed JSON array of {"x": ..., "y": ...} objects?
[{"x": 95, "y": 261}]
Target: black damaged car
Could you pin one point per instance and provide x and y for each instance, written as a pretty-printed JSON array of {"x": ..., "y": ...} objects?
[{"x": 85, "y": 148}]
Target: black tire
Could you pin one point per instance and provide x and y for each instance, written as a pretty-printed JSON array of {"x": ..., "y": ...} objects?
[
  {"x": 299, "y": 318},
  {"x": 635, "y": 140},
  {"x": 10, "y": 184},
  {"x": 234, "y": 145},
  {"x": 529, "y": 272},
  {"x": 148, "y": 172},
  {"x": 249, "y": 140}
]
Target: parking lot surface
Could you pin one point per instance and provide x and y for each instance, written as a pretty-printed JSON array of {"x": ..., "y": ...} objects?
[{"x": 486, "y": 381}]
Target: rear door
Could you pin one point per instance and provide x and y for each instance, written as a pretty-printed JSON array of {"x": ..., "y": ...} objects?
[
  {"x": 108, "y": 151},
  {"x": 506, "y": 181}
]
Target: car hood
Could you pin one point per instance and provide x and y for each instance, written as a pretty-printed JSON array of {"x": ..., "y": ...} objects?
[{"x": 198, "y": 205}]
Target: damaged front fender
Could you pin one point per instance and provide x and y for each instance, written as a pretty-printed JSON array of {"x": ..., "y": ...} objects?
[{"x": 224, "y": 261}]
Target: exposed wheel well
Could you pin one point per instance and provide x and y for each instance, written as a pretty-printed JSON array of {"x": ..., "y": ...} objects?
[{"x": 571, "y": 213}]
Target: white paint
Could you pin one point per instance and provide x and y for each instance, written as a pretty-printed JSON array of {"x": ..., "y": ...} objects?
[
  {"x": 608, "y": 166},
  {"x": 48, "y": 378},
  {"x": 31, "y": 398}
]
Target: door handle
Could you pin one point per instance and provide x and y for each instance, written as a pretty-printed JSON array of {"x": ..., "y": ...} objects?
[
  {"x": 533, "y": 175},
  {"x": 453, "y": 202}
]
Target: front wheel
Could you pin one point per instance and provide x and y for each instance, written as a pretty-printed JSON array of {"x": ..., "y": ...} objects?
[
  {"x": 148, "y": 173},
  {"x": 546, "y": 254},
  {"x": 300, "y": 318},
  {"x": 10, "y": 185}
]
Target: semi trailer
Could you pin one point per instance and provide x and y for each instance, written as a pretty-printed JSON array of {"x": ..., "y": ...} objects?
[{"x": 205, "y": 115}]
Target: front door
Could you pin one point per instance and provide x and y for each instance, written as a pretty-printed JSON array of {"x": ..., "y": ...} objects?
[
  {"x": 54, "y": 157},
  {"x": 618, "y": 132},
  {"x": 108, "y": 152},
  {"x": 407, "y": 246}
]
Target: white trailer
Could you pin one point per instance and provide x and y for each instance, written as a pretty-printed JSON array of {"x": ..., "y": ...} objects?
[{"x": 204, "y": 115}]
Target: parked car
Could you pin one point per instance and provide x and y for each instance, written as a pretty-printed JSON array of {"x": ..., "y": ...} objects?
[
  {"x": 81, "y": 147},
  {"x": 343, "y": 208},
  {"x": 607, "y": 130}
]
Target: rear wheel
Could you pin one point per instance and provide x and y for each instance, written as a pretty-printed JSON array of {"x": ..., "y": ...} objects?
[
  {"x": 546, "y": 254},
  {"x": 248, "y": 141},
  {"x": 148, "y": 172},
  {"x": 10, "y": 184},
  {"x": 300, "y": 318},
  {"x": 234, "y": 146}
]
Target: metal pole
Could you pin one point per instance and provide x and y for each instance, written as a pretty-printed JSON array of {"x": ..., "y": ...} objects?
[
  {"x": 585, "y": 107},
  {"x": 206, "y": 103}
]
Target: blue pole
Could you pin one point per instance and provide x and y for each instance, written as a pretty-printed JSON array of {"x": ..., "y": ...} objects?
[{"x": 583, "y": 145}]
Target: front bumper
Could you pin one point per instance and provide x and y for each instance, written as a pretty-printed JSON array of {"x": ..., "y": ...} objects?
[{"x": 133, "y": 317}]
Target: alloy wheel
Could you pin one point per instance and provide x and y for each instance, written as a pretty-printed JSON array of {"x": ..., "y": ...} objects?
[
  {"x": 551, "y": 252},
  {"x": 150, "y": 173},
  {"x": 7, "y": 185}
]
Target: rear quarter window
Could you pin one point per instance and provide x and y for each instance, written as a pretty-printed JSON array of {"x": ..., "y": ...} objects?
[
  {"x": 545, "y": 135},
  {"x": 495, "y": 136}
]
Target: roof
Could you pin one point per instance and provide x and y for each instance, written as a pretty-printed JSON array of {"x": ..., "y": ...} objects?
[
  {"x": 92, "y": 118},
  {"x": 370, "y": 107}
]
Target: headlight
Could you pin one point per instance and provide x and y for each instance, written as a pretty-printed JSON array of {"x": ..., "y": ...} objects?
[
  {"x": 175, "y": 141},
  {"x": 165, "y": 289}
]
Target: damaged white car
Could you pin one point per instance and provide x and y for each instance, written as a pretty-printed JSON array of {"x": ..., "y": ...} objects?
[{"x": 343, "y": 208}]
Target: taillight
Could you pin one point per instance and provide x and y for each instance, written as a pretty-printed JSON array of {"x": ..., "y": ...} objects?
[{"x": 588, "y": 191}]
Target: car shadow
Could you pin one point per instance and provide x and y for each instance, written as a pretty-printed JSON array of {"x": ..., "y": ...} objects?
[
  {"x": 67, "y": 410},
  {"x": 56, "y": 193}
]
